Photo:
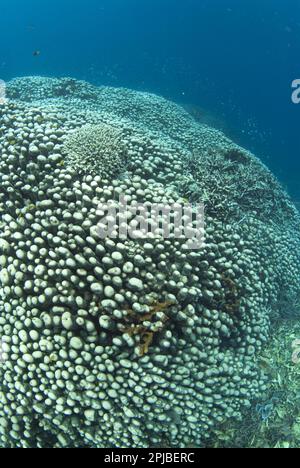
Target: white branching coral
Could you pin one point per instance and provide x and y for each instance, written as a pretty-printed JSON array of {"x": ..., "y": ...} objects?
[{"x": 97, "y": 150}]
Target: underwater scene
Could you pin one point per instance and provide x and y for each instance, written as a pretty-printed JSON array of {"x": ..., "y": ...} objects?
[{"x": 150, "y": 226}]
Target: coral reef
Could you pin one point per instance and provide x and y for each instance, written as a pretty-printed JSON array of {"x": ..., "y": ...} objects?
[
  {"x": 158, "y": 342},
  {"x": 96, "y": 149},
  {"x": 274, "y": 422},
  {"x": 233, "y": 184}
]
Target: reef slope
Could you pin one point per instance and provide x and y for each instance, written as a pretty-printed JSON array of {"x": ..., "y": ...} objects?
[{"x": 130, "y": 342}]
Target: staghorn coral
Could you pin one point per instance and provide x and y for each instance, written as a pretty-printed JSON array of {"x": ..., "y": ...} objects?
[
  {"x": 138, "y": 328},
  {"x": 95, "y": 149},
  {"x": 233, "y": 184}
]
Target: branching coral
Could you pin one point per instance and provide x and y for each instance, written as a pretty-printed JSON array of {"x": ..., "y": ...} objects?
[
  {"x": 146, "y": 334},
  {"x": 233, "y": 184}
]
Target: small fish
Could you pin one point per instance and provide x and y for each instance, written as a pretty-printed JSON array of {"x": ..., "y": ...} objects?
[{"x": 36, "y": 53}]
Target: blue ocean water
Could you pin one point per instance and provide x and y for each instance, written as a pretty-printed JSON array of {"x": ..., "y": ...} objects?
[{"x": 228, "y": 60}]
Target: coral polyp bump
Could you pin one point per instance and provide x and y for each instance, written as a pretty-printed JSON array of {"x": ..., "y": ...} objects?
[{"x": 114, "y": 342}]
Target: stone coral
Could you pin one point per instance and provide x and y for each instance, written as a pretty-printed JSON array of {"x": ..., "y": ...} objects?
[
  {"x": 157, "y": 342},
  {"x": 96, "y": 149}
]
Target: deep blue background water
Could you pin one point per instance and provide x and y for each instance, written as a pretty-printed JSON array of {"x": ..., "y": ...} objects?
[{"x": 234, "y": 60}]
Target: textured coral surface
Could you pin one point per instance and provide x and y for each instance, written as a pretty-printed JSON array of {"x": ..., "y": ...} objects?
[{"x": 131, "y": 342}]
